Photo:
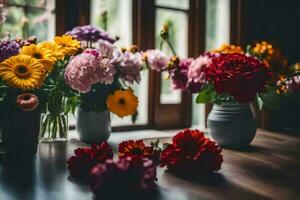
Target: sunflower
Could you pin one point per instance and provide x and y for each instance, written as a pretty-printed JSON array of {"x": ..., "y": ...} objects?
[
  {"x": 55, "y": 49},
  {"x": 122, "y": 103},
  {"x": 23, "y": 72},
  {"x": 68, "y": 44},
  {"x": 43, "y": 55}
]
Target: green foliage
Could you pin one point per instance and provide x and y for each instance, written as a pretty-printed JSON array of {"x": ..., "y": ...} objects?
[
  {"x": 207, "y": 94},
  {"x": 270, "y": 99}
]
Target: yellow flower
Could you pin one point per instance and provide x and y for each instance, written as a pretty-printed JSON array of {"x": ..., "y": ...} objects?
[
  {"x": 263, "y": 48},
  {"x": 55, "y": 49},
  {"x": 122, "y": 103},
  {"x": 43, "y": 55},
  {"x": 23, "y": 72},
  {"x": 228, "y": 49},
  {"x": 68, "y": 44}
]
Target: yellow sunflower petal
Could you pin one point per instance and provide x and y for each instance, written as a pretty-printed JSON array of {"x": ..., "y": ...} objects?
[
  {"x": 56, "y": 50},
  {"x": 68, "y": 44},
  {"x": 23, "y": 72},
  {"x": 43, "y": 55}
]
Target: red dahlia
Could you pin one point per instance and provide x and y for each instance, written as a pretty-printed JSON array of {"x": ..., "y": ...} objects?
[
  {"x": 191, "y": 152},
  {"x": 85, "y": 159},
  {"x": 238, "y": 75},
  {"x": 138, "y": 148}
]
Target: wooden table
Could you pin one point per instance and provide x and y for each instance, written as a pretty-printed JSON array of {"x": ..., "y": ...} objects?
[{"x": 269, "y": 169}]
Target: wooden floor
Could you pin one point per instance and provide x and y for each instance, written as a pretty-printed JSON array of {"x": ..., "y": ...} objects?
[{"x": 269, "y": 169}]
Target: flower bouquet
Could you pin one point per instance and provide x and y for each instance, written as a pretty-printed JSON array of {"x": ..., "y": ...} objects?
[
  {"x": 22, "y": 76},
  {"x": 230, "y": 79},
  {"x": 101, "y": 75}
]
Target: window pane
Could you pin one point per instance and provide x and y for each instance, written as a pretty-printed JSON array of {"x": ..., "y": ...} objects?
[
  {"x": 217, "y": 33},
  {"x": 217, "y": 23},
  {"x": 32, "y": 17},
  {"x": 119, "y": 23},
  {"x": 182, "y": 4},
  {"x": 119, "y": 18},
  {"x": 178, "y": 26}
]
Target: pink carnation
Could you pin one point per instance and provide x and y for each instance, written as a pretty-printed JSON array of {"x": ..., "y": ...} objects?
[
  {"x": 89, "y": 68},
  {"x": 80, "y": 73},
  {"x": 131, "y": 66},
  {"x": 195, "y": 72},
  {"x": 106, "y": 71},
  {"x": 157, "y": 59}
]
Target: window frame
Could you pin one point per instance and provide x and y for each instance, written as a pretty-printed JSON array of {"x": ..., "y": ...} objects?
[{"x": 143, "y": 25}]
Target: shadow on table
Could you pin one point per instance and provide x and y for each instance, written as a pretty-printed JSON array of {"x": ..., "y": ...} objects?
[{"x": 18, "y": 178}]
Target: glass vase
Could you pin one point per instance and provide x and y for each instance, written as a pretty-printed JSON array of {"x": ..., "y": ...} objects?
[{"x": 54, "y": 127}]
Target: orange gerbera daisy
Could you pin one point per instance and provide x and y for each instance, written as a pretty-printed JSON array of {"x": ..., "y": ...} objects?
[{"x": 122, "y": 103}]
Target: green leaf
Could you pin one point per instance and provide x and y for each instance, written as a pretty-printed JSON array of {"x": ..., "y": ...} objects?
[
  {"x": 271, "y": 100},
  {"x": 207, "y": 94}
]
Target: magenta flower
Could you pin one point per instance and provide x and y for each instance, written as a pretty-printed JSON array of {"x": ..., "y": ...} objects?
[
  {"x": 124, "y": 178},
  {"x": 293, "y": 84},
  {"x": 157, "y": 60},
  {"x": 131, "y": 66},
  {"x": 179, "y": 74}
]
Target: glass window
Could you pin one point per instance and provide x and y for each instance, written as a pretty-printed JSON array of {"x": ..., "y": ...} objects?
[
  {"x": 26, "y": 18},
  {"x": 115, "y": 16},
  {"x": 178, "y": 26},
  {"x": 217, "y": 33}
]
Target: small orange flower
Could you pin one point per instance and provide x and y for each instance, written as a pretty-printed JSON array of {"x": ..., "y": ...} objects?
[
  {"x": 122, "y": 103},
  {"x": 229, "y": 49}
]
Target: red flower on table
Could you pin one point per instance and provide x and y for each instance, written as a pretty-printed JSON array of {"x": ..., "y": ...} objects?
[
  {"x": 138, "y": 148},
  {"x": 191, "y": 152},
  {"x": 85, "y": 159},
  {"x": 239, "y": 75}
]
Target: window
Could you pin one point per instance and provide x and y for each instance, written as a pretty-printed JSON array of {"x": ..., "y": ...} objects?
[
  {"x": 116, "y": 17},
  {"x": 26, "y": 18}
]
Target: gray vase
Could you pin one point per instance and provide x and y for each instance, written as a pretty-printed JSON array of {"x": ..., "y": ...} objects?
[
  {"x": 232, "y": 125},
  {"x": 93, "y": 127}
]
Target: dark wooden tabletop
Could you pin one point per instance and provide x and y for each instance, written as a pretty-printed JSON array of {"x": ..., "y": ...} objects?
[{"x": 269, "y": 169}]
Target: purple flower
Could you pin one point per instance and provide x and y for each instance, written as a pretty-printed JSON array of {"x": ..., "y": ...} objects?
[
  {"x": 179, "y": 74},
  {"x": 8, "y": 48},
  {"x": 127, "y": 176},
  {"x": 90, "y": 33},
  {"x": 131, "y": 66},
  {"x": 293, "y": 84},
  {"x": 157, "y": 60}
]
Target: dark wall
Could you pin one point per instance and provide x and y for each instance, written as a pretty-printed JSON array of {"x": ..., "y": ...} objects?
[{"x": 275, "y": 20}]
